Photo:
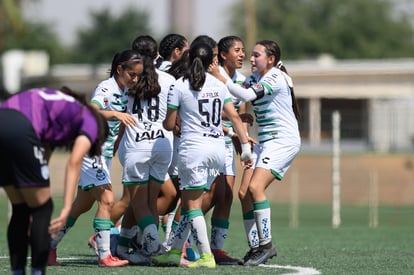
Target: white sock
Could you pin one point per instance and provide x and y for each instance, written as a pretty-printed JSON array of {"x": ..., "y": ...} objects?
[
  {"x": 150, "y": 240},
  {"x": 181, "y": 234},
  {"x": 263, "y": 223},
  {"x": 218, "y": 236},
  {"x": 199, "y": 231},
  {"x": 251, "y": 232},
  {"x": 102, "y": 238},
  {"x": 168, "y": 226}
]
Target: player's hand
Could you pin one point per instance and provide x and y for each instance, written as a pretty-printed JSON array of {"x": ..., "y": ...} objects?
[
  {"x": 57, "y": 223},
  {"x": 246, "y": 164},
  {"x": 246, "y": 154},
  {"x": 214, "y": 69},
  {"x": 237, "y": 145},
  {"x": 126, "y": 119}
]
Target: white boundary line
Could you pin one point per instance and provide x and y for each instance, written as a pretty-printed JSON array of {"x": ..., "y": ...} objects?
[{"x": 296, "y": 270}]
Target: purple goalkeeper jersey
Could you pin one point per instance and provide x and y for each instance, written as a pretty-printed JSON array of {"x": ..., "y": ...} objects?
[{"x": 57, "y": 118}]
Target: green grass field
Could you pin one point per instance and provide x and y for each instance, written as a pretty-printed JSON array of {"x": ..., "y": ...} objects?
[{"x": 313, "y": 247}]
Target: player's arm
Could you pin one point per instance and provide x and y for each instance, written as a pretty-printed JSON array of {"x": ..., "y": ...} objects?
[
  {"x": 170, "y": 120},
  {"x": 119, "y": 137},
  {"x": 245, "y": 141},
  {"x": 236, "y": 90},
  {"x": 255, "y": 92},
  {"x": 124, "y": 118},
  {"x": 80, "y": 148}
]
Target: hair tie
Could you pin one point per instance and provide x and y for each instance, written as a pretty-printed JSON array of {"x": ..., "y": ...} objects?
[{"x": 279, "y": 64}]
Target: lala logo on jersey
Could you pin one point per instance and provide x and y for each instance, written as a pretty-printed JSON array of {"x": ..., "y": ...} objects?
[{"x": 149, "y": 134}]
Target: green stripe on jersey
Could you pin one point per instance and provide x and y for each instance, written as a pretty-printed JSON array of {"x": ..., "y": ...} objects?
[
  {"x": 262, "y": 112},
  {"x": 267, "y": 87},
  {"x": 260, "y": 121},
  {"x": 172, "y": 106},
  {"x": 97, "y": 103},
  {"x": 267, "y": 133},
  {"x": 260, "y": 103}
]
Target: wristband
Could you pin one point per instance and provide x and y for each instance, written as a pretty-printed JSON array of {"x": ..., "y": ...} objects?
[
  {"x": 230, "y": 133},
  {"x": 246, "y": 154}
]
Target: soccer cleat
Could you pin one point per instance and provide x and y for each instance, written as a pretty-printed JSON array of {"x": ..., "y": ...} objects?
[
  {"x": 111, "y": 261},
  {"x": 171, "y": 258},
  {"x": 184, "y": 261},
  {"x": 51, "y": 259},
  {"x": 134, "y": 257},
  {"x": 189, "y": 253},
  {"x": 206, "y": 260},
  {"x": 249, "y": 253},
  {"x": 264, "y": 253},
  {"x": 222, "y": 258},
  {"x": 92, "y": 244}
]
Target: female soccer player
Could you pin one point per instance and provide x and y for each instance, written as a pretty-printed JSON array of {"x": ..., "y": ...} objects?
[
  {"x": 277, "y": 118},
  {"x": 199, "y": 99},
  {"x": 230, "y": 56},
  {"x": 32, "y": 124},
  {"x": 110, "y": 98},
  {"x": 145, "y": 153},
  {"x": 171, "y": 48}
]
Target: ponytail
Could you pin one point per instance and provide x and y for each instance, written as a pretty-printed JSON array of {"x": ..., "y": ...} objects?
[
  {"x": 196, "y": 74},
  {"x": 295, "y": 105}
]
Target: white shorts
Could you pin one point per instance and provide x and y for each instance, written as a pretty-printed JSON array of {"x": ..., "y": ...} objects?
[
  {"x": 173, "y": 169},
  {"x": 276, "y": 156},
  {"x": 229, "y": 168},
  {"x": 139, "y": 166},
  {"x": 94, "y": 172},
  {"x": 199, "y": 163}
]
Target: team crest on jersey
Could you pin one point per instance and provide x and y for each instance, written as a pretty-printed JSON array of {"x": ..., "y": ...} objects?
[
  {"x": 258, "y": 87},
  {"x": 105, "y": 102},
  {"x": 100, "y": 175}
]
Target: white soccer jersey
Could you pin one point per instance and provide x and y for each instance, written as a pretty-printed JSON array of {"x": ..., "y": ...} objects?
[
  {"x": 274, "y": 115},
  {"x": 201, "y": 153},
  {"x": 149, "y": 114},
  {"x": 96, "y": 171},
  {"x": 200, "y": 111},
  {"x": 165, "y": 66},
  {"x": 108, "y": 96},
  {"x": 147, "y": 145}
]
